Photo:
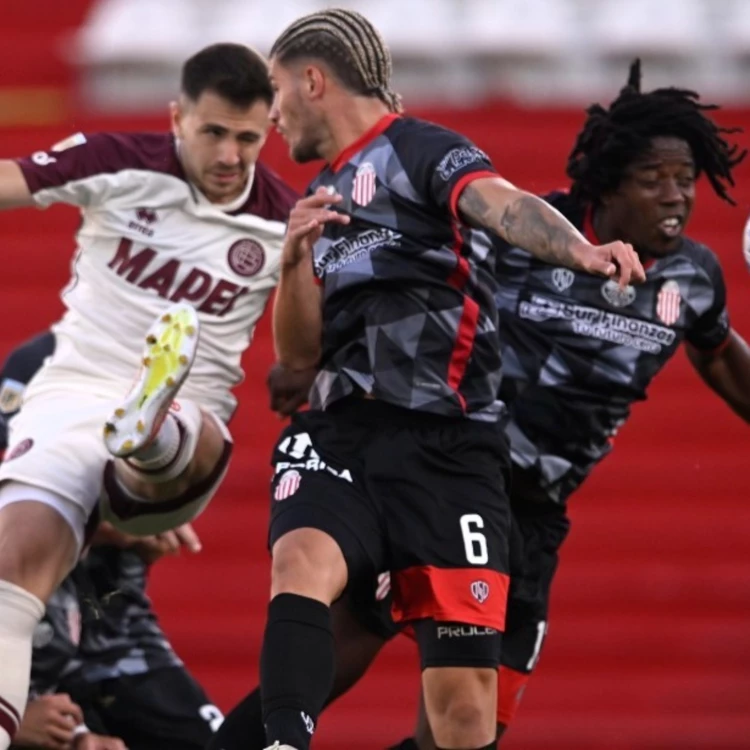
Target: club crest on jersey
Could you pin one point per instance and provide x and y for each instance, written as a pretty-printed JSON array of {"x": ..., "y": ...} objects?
[
  {"x": 246, "y": 257},
  {"x": 287, "y": 485},
  {"x": 480, "y": 590},
  {"x": 383, "y": 587},
  {"x": 364, "y": 184},
  {"x": 562, "y": 278},
  {"x": 668, "y": 302},
  {"x": 616, "y": 296}
]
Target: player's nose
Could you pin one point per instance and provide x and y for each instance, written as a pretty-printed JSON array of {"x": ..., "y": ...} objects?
[
  {"x": 671, "y": 193},
  {"x": 229, "y": 154}
]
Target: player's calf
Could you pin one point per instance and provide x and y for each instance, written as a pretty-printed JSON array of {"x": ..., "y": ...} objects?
[
  {"x": 170, "y": 455},
  {"x": 297, "y": 660},
  {"x": 37, "y": 548}
]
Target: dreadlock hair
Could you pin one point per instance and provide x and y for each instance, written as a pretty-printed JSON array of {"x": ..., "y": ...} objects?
[
  {"x": 613, "y": 138},
  {"x": 349, "y": 44}
]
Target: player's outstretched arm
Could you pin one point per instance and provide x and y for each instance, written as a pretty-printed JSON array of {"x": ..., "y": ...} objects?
[
  {"x": 524, "y": 220},
  {"x": 14, "y": 192},
  {"x": 297, "y": 310},
  {"x": 726, "y": 371}
]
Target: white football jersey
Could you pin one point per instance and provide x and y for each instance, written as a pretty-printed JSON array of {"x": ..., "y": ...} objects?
[{"x": 149, "y": 238}]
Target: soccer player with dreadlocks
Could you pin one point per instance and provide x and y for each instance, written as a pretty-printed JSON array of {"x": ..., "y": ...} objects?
[
  {"x": 577, "y": 353},
  {"x": 386, "y": 284}
]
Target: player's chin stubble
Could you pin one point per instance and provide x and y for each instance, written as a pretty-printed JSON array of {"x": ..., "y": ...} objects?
[{"x": 304, "y": 152}]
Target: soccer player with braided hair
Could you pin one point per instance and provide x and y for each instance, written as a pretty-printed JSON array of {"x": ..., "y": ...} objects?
[
  {"x": 633, "y": 170},
  {"x": 387, "y": 286}
]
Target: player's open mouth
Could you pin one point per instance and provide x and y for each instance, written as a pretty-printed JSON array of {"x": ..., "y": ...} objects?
[{"x": 671, "y": 226}]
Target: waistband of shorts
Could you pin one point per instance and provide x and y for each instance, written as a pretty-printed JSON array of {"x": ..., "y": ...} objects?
[{"x": 376, "y": 413}]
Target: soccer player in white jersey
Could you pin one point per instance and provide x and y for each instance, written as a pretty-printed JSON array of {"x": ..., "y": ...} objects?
[{"x": 184, "y": 228}]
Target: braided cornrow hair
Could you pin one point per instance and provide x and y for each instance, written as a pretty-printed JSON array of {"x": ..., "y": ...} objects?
[
  {"x": 349, "y": 44},
  {"x": 613, "y": 138}
]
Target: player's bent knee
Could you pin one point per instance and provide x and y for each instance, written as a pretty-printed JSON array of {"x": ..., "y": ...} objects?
[
  {"x": 140, "y": 515},
  {"x": 461, "y": 704},
  {"x": 310, "y": 563}
]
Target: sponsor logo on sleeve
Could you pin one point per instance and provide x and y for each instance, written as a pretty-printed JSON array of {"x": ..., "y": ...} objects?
[
  {"x": 77, "y": 139},
  {"x": 460, "y": 158}
]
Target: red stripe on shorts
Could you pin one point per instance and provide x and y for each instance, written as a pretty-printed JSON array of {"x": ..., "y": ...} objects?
[
  {"x": 510, "y": 688},
  {"x": 472, "y": 596},
  {"x": 9, "y": 718}
]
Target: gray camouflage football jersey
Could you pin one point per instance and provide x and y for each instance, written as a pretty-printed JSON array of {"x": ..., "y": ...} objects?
[
  {"x": 578, "y": 351},
  {"x": 408, "y": 311},
  {"x": 99, "y": 625}
]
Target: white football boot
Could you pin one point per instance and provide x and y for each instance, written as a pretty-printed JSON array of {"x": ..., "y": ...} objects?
[{"x": 171, "y": 345}]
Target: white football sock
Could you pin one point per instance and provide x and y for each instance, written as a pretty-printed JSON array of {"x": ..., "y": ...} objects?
[
  {"x": 173, "y": 448},
  {"x": 161, "y": 451},
  {"x": 20, "y": 612}
]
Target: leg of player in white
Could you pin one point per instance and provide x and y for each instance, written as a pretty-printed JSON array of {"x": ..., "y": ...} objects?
[
  {"x": 163, "y": 448},
  {"x": 162, "y": 462}
]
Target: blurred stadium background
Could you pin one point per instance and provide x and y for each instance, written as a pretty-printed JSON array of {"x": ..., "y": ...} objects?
[{"x": 650, "y": 635}]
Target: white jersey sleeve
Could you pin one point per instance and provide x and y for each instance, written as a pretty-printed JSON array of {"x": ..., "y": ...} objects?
[{"x": 149, "y": 238}]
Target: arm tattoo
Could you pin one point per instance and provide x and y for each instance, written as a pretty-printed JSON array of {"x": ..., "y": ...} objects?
[{"x": 527, "y": 222}]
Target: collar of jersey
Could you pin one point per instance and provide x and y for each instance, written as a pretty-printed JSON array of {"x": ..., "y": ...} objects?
[
  {"x": 227, "y": 208},
  {"x": 377, "y": 129}
]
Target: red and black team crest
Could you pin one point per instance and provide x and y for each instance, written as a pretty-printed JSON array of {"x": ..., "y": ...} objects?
[
  {"x": 668, "y": 302},
  {"x": 480, "y": 590},
  {"x": 365, "y": 184},
  {"x": 246, "y": 257}
]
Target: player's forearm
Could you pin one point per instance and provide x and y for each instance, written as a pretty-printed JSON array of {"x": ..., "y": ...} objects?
[
  {"x": 727, "y": 373},
  {"x": 14, "y": 192},
  {"x": 297, "y": 318},
  {"x": 522, "y": 220}
]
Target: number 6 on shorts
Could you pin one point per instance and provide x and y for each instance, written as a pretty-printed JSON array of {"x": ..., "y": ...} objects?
[{"x": 475, "y": 543}]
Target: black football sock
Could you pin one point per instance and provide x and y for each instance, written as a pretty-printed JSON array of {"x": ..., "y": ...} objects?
[
  {"x": 296, "y": 668},
  {"x": 408, "y": 744},
  {"x": 242, "y": 729}
]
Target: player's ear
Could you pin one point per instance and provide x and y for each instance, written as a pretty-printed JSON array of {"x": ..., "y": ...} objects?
[
  {"x": 175, "y": 118},
  {"x": 314, "y": 81}
]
